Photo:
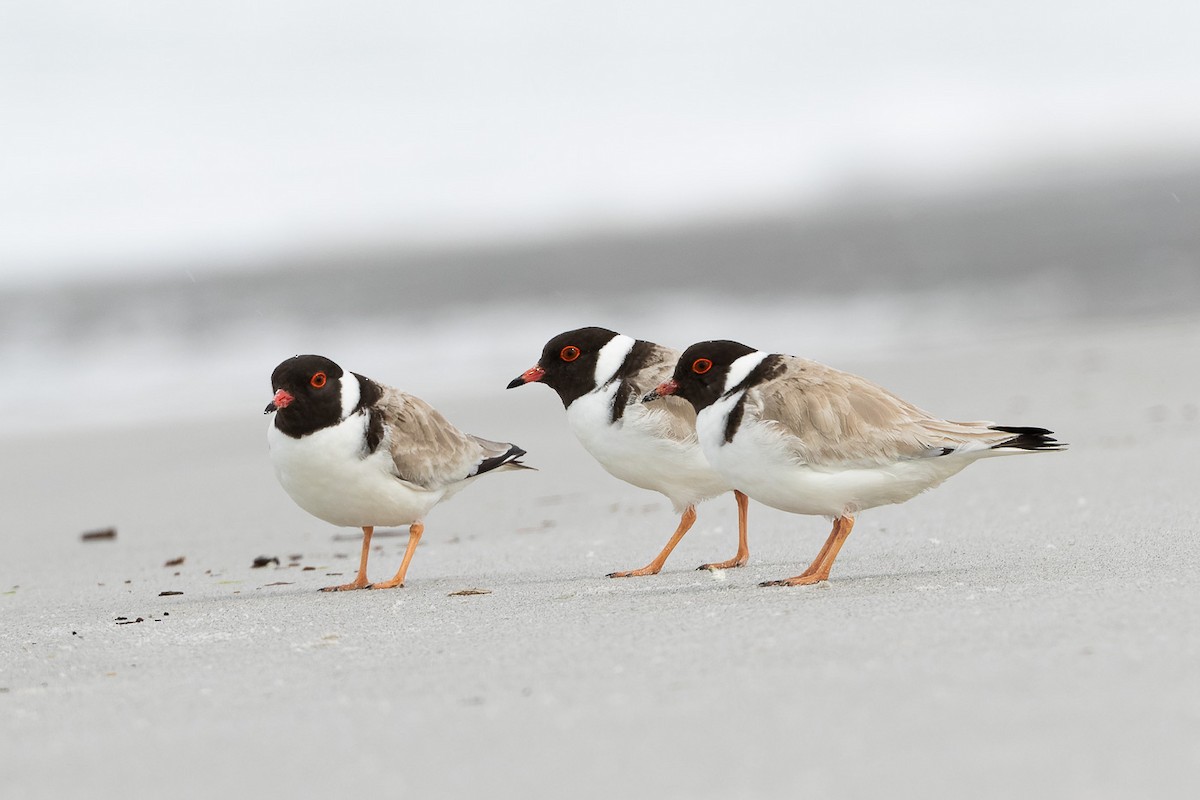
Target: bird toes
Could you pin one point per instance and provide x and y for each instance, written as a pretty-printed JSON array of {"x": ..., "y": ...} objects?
[
  {"x": 632, "y": 573},
  {"x": 345, "y": 587},
  {"x": 730, "y": 564}
]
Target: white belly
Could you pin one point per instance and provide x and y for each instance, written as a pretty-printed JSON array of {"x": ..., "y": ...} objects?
[
  {"x": 325, "y": 475},
  {"x": 635, "y": 450},
  {"x": 759, "y": 463}
]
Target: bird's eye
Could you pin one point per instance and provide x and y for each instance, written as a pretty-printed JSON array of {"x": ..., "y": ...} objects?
[
  {"x": 701, "y": 366},
  {"x": 569, "y": 353},
  {"x": 318, "y": 380}
]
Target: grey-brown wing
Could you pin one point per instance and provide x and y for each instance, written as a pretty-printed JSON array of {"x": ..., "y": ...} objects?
[
  {"x": 675, "y": 415},
  {"x": 834, "y": 418},
  {"x": 426, "y": 449},
  {"x": 655, "y": 363}
]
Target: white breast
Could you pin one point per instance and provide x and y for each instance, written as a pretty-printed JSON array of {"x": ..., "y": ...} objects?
[
  {"x": 759, "y": 462},
  {"x": 636, "y": 451},
  {"x": 326, "y": 475}
]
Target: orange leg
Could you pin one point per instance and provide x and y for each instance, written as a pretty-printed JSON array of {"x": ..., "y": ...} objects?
[
  {"x": 414, "y": 535},
  {"x": 743, "y": 551},
  {"x": 360, "y": 582},
  {"x": 818, "y": 570},
  {"x": 685, "y": 522}
]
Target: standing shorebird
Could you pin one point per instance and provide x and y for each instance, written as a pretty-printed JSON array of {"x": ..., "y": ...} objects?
[
  {"x": 806, "y": 438},
  {"x": 600, "y": 376},
  {"x": 360, "y": 454}
]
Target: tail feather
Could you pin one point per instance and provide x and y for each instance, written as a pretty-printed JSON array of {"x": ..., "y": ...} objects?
[
  {"x": 1027, "y": 439},
  {"x": 507, "y": 459}
]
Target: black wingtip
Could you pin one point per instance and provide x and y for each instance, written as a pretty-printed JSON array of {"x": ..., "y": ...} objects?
[
  {"x": 510, "y": 456},
  {"x": 1028, "y": 439}
]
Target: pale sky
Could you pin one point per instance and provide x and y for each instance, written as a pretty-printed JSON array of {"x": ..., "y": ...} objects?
[{"x": 138, "y": 134}]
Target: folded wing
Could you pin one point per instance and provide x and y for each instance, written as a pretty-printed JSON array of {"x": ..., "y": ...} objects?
[
  {"x": 651, "y": 364},
  {"x": 427, "y": 450},
  {"x": 834, "y": 419}
]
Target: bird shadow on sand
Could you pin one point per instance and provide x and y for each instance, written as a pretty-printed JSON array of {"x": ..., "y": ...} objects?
[{"x": 669, "y": 582}]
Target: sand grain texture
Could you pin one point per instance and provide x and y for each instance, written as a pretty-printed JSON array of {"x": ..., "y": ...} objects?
[{"x": 1029, "y": 629}]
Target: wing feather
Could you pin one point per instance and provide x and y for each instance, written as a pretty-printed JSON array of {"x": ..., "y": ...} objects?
[
  {"x": 831, "y": 418},
  {"x": 674, "y": 415},
  {"x": 426, "y": 449}
]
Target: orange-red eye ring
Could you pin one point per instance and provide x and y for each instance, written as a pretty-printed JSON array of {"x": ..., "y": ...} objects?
[
  {"x": 318, "y": 381},
  {"x": 569, "y": 353},
  {"x": 701, "y": 366}
]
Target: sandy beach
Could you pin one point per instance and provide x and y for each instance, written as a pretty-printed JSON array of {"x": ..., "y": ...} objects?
[
  {"x": 991, "y": 212},
  {"x": 1028, "y": 629}
]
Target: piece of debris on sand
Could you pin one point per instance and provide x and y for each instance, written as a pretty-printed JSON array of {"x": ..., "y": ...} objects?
[{"x": 100, "y": 535}]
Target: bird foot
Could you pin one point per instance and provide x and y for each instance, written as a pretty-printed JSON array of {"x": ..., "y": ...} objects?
[
  {"x": 346, "y": 587},
  {"x": 736, "y": 561},
  {"x": 799, "y": 580},
  {"x": 635, "y": 573},
  {"x": 387, "y": 585}
]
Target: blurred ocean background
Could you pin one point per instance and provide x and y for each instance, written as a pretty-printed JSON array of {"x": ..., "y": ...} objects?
[{"x": 191, "y": 192}]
